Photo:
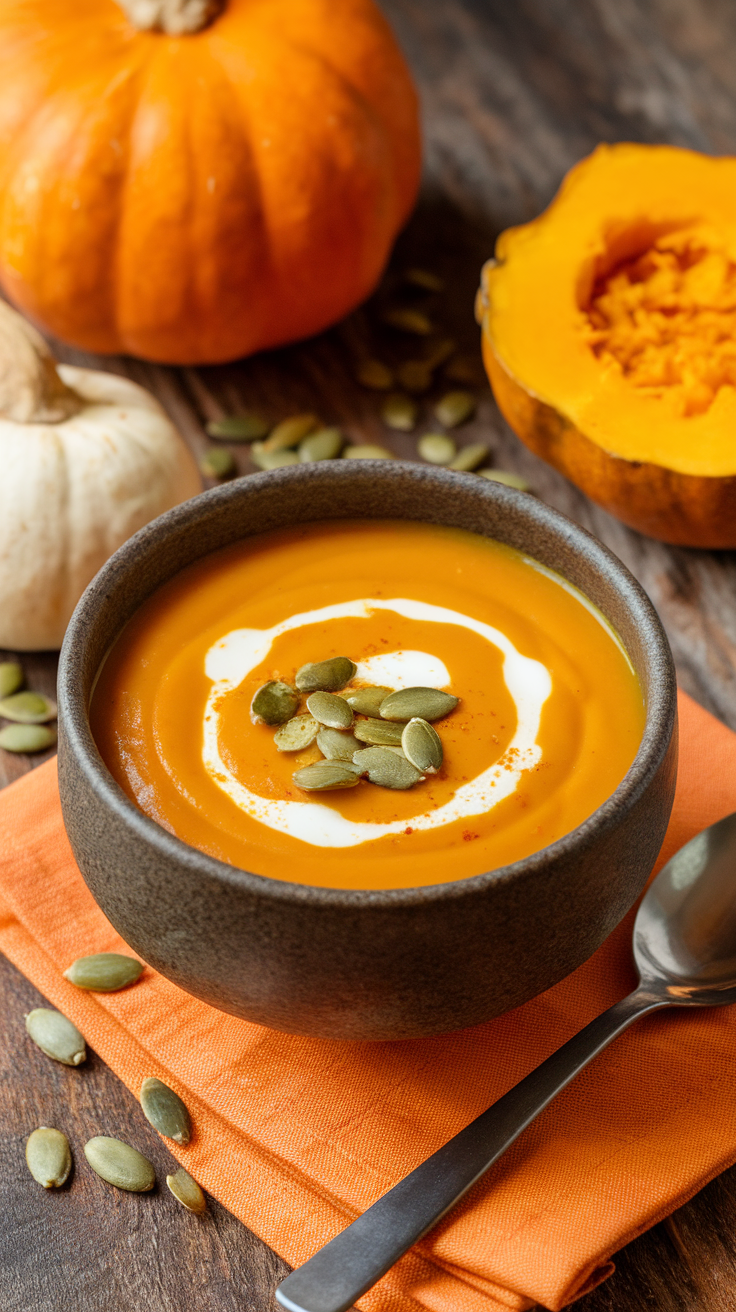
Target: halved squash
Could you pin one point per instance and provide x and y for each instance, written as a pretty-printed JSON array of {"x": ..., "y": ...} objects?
[{"x": 609, "y": 335}]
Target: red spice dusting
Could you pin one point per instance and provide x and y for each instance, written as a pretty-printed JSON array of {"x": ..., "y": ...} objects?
[
  {"x": 409, "y": 830},
  {"x": 468, "y": 836}
]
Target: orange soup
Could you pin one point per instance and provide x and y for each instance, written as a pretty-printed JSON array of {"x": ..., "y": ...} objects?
[{"x": 549, "y": 718}]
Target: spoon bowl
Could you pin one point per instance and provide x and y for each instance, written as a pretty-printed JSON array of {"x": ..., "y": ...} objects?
[{"x": 685, "y": 950}]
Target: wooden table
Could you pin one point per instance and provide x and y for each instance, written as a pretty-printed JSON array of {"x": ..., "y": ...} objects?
[{"x": 513, "y": 94}]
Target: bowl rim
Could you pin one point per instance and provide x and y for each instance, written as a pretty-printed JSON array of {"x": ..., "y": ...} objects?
[{"x": 76, "y": 735}]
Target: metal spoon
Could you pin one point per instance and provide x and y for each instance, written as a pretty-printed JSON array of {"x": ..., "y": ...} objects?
[{"x": 685, "y": 953}]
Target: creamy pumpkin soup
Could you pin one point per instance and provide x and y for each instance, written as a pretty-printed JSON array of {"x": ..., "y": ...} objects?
[{"x": 368, "y": 704}]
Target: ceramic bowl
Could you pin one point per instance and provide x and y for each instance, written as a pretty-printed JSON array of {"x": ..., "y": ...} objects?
[{"x": 352, "y": 964}]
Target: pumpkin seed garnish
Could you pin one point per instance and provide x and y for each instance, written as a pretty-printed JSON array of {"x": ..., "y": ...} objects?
[
  {"x": 290, "y": 432},
  {"x": 165, "y": 1110},
  {"x": 368, "y": 451},
  {"x": 366, "y": 701},
  {"x": 379, "y": 733},
  {"x": 386, "y": 768},
  {"x": 48, "y": 1157},
  {"x": 325, "y": 676},
  {"x": 324, "y": 444},
  {"x": 326, "y": 775},
  {"x": 422, "y": 746},
  {"x": 506, "y": 477},
  {"x": 437, "y": 448},
  {"x": 374, "y": 374},
  {"x": 104, "y": 972},
  {"x": 27, "y": 738},
  {"x": 187, "y": 1191},
  {"x": 408, "y": 320},
  {"x": 399, "y": 412},
  {"x": 274, "y": 703},
  {"x": 218, "y": 463},
  {"x": 28, "y": 708},
  {"x": 238, "y": 428},
  {"x": 119, "y": 1164},
  {"x": 417, "y": 703},
  {"x": 415, "y": 375},
  {"x": 454, "y": 408},
  {"x": 469, "y": 457},
  {"x": 11, "y": 677},
  {"x": 336, "y": 745},
  {"x": 263, "y": 459},
  {"x": 298, "y": 732},
  {"x": 56, "y": 1036},
  {"x": 330, "y": 710}
]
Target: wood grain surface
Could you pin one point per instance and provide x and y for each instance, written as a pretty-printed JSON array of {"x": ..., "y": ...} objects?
[{"x": 513, "y": 94}]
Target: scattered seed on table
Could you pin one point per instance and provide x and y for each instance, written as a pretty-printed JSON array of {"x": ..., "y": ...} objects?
[
  {"x": 187, "y": 1192},
  {"x": 454, "y": 408},
  {"x": 399, "y": 412},
  {"x": 290, "y": 432},
  {"x": 271, "y": 459},
  {"x": 437, "y": 448},
  {"x": 11, "y": 677},
  {"x": 27, "y": 738},
  {"x": 48, "y": 1157},
  {"x": 117, "y": 1163},
  {"x": 408, "y": 320},
  {"x": 165, "y": 1111},
  {"x": 56, "y": 1036},
  {"x": 469, "y": 457},
  {"x": 323, "y": 444},
  {"x": 374, "y": 374},
  {"x": 424, "y": 279},
  {"x": 218, "y": 463},
  {"x": 238, "y": 428},
  {"x": 506, "y": 477},
  {"x": 28, "y": 708}
]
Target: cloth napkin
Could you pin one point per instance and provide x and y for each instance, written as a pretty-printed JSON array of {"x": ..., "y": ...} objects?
[{"x": 297, "y": 1136}]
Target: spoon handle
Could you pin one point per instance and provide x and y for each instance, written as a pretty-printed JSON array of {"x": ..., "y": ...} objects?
[{"x": 357, "y": 1257}]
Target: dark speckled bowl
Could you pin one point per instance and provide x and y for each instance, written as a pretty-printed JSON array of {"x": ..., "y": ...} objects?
[{"x": 347, "y": 964}]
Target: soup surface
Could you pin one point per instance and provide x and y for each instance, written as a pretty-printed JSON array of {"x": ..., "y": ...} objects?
[{"x": 549, "y": 720}]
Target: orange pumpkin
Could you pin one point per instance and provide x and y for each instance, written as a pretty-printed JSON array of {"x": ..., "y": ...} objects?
[
  {"x": 609, "y": 335},
  {"x": 195, "y": 195}
]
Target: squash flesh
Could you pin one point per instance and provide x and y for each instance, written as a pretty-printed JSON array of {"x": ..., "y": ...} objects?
[{"x": 617, "y": 307}]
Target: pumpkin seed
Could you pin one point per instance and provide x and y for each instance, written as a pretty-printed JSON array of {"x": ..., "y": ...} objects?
[
  {"x": 274, "y": 703},
  {"x": 48, "y": 1157},
  {"x": 263, "y": 459},
  {"x": 379, "y": 733},
  {"x": 441, "y": 352},
  {"x": 374, "y": 374},
  {"x": 27, "y": 738},
  {"x": 399, "y": 412},
  {"x": 56, "y": 1036},
  {"x": 336, "y": 745},
  {"x": 298, "y": 732},
  {"x": 423, "y": 278},
  {"x": 386, "y": 768},
  {"x": 422, "y": 746},
  {"x": 408, "y": 320},
  {"x": 290, "y": 432},
  {"x": 368, "y": 451},
  {"x": 238, "y": 428},
  {"x": 415, "y": 375},
  {"x": 119, "y": 1164},
  {"x": 469, "y": 457},
  {"x": 330, "y": 710},
  {"x": 28, "y": 708},
  {"x": 11, "y": 677},
  {"x": 418, "y": 703},
  {"x": 187, "y": 1191},
  {"x": 165, "y": 1110},
  {"x": 437, "y": 448},
  {"x": 366, "y": 701},
  {"x": 454, "y": 408},
  {"x": 218, "y": 463},
  {"x": 465, "y": 369},
  {"x": 326, "y": 775},
  {"x": 325, "y": 676},
  {"x": 324, "y": 444},
  {"x": 506, "y": 477},
  {"x": 104, "y": 972}
]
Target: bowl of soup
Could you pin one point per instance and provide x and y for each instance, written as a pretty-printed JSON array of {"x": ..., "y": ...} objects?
[{"x": 365, "y": 750}]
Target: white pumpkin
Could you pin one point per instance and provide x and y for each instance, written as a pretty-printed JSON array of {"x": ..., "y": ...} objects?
[{"x": 86, "y": 459}]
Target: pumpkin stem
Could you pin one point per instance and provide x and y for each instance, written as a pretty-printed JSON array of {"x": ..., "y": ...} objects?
[
  {"x": 174, "y": 17},
  {"x": 31, "y": 391}
]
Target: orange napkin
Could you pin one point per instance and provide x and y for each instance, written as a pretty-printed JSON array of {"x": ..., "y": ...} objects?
[{"x": 296, "y": 1136}]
